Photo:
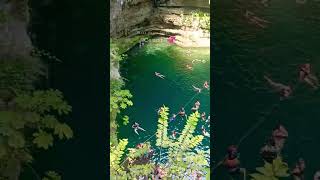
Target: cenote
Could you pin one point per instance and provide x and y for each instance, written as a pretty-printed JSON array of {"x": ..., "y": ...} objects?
[
  {"x": 175, "y": 91},
  {"x": 243, "y": 54}
]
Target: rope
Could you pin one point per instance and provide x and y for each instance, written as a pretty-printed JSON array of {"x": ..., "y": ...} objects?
[{"x": 247, "y": 134}]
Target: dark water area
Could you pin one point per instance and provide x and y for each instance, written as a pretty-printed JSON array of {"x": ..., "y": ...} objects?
[
  {"x": 76, "y": 34},
  {"x": 175, "y": 91},
  {"x": 243, "y": 53}
]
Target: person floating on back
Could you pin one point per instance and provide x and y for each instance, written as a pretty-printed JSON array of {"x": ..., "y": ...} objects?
[
  {"x": 298, "y": 170},
  {"x": 284, "y": 90},
  {"x": 306, "y": 75},
  {"x": 137, "y": 127},
  {"x": 196, "y": 89},
  {"x": 159, "y": 75}
]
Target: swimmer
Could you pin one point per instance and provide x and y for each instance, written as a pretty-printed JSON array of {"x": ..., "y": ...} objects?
[
  {"x": 159, "y": 75},
  {"x": 196, "y": 89},
  {"x": 279, "y": 135},
  {"x": 285, "y": 91},
  {"x": 197, "y": 103},
  {"x": 206, "y": 85},
  {"x": 173, "y": 117},
  {"x": 194, "y": 109},
  {"x": 231, "y": 162},
  {"x": 174, "y": 133},
  {"x": 189, "y": 67},
  {"x": 136, "y": 127},
  {"x": 172, "y": 39},
  {"x": 298, "y": 170},
  {"x": 306, "y": 75},
  {"x": 269, "y": 151},
  {"x": 204, "y": 132},
  {"x": 208, "y": 120},
  {"x": 316, "y": 176},
  {"x": 203, "y": 116},
  {"x": 182, "y": 112}
]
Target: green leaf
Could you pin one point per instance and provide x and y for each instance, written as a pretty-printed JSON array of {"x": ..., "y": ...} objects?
[
  {"x": 16, "y": 140},
  {"x": 51, "y": 175},
  {"x": 43, "y": 139},
  {"x": 63, "y": 130}
]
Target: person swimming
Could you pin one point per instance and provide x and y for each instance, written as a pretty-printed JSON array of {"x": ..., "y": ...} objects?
[
  {"x": 269, "y": 151},
  {"x": 197, "y": 103},
  {"x": 196, "y": 89},
  {"x": 208, "y": 120},
  {"x": 231, "y": 162},
  {"x": 173, "y": 117},
  {"x": 283, "y": 90},
  {"x": 159, "y": 75},
  {"x": 196, "y": 106},
  {"x": 316, "y": 175},
  {"x": 204, "y": 132},
  {"x": 306, "y": 76},
  {"x": 203, "y": 116},
  {"x": 298, "y": 170},
  {"x": 182, "y": 112},
  {"x": 206, "y": 85},
  {"x": 279, "y": 135},
  {"x": 137, "y": 127},
  {"x": 174, "y": 133}
]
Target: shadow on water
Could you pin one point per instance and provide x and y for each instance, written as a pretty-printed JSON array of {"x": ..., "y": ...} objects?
[{"x": 243, "y": 54}]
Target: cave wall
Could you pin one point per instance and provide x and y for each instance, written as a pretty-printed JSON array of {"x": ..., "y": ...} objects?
[
  {"x": 129, "y": 14},
  {"x": 14, "y": 39}
]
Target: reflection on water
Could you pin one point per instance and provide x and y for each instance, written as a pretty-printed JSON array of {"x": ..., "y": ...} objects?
[{"x": 244, "y": 53}]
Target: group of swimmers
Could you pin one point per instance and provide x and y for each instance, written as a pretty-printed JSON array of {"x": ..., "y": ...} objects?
[
  {"x": 305, "y": 75},
  {"x": 270, "y": 151}
]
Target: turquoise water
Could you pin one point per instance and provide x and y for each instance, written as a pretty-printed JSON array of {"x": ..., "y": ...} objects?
[
  {"x": 243, "y": 54},
  {"x": 175, "y": 91}
]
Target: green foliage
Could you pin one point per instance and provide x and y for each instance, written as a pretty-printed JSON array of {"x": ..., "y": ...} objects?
[
  {"x": 116, "y": 153},
  {"x": 51, "y": 175},
  {"x": 182, "y": 158},
  {"x": 3, "y": 17},
  {"x": 274, "y": 171},
  {"x": 115, "y": 54},
  {"x": 120, "y": 100},
  {"x": 18, "y": 74},
  {"x": 31, "y": 123},
  {"x": 125, "y": 120},
  {"x": 197, "y": 19}
]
